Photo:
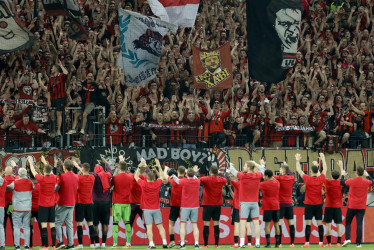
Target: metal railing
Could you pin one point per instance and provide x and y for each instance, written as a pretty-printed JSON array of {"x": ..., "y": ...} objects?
[{"x": 18, "y": 140}]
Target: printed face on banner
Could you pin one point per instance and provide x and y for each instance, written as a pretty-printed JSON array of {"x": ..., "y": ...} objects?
[
  {"x": 9, "y": 28},
  {"x": 214, "y": 74},
  {"x": 287, "y": 25}
]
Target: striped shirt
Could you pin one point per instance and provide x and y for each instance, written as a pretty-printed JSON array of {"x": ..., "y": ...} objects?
[{"x": 56, "y": 86}]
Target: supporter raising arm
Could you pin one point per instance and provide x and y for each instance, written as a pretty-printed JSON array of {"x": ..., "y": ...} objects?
[{"x": 150, "y": 201}]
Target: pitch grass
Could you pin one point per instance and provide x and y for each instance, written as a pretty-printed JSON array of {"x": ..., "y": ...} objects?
[{"x": 284, "y": 246}]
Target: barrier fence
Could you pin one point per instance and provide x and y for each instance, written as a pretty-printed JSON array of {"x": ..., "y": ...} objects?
[
  {"x": 139, "y": 236},
  {"x": 18, "y": 140}
]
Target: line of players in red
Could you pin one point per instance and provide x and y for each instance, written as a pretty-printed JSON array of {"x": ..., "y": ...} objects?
[{"x": 276, "y": 201}]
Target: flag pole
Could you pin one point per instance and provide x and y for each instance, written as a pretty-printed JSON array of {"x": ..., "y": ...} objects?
[{"x": 53, "y": 32}]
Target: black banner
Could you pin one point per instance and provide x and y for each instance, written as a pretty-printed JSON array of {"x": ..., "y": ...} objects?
[
  {"x": 171, "y": 157},
  {"x": 273, "y": 28},
  {"x": 69, "y": 8}
]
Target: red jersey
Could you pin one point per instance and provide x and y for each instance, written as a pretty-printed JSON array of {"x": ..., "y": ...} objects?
[
  {"x": 121, "y": 191},
  {"x": 212, "y": 190},
  {"x": 334, "y": 196},
  {"x": 249, "y": 185},
  {"x": 190, "y": 192},
  {"x": 113, "y": 129},
  {"x": 26, "y": 127},
  {"x": 316, "y": 120},
  {"x": 85, "y": 186},
  {"x": 358, "y": 192},
  {"x": 216, "y": 122},
  {"x": 56, "y": 86},
  {"x": 286, "y": 187},
  {"x": 236, "y": 185},
  {"x": 35, "y": 198},
  {"x": 176, "y": 193},
  {"x": 68, "y": 183},
  {"x": 367, "y": 121},
  {"x": 8, "y": 195},
  {"x": 150, "y": 194},
  {"x": 270, "y": 194},
  {"x": 25, "y": 91},
  {"x": 3, "y": 183},
  {"x": 313, "y": 189},
  {"x": 136, "y": 191},
  {"x": 349, "y": 117},
  {"x": 47, "y": 189}
]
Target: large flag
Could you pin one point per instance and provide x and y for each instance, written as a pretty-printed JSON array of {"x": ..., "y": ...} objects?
[
  {"x": 12, "y": 35},
  {"x": 180, "y": 12},
  {"x": 273, "y": 28},
  {"x": 70, "y": 8},
  {"x": 212, "y": 68},
  {"x": 141, "y": 44}
]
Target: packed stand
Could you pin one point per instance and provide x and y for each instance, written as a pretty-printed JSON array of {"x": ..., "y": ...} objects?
[{"x": 326, "y": 100}]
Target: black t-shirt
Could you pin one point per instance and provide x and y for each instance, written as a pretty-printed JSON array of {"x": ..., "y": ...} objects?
[{"x": 90, "y": 92}]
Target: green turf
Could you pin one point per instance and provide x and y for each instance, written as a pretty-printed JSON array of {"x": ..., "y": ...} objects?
[{"x": 285, "y": 246}]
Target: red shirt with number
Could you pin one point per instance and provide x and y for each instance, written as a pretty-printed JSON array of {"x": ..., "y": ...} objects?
[
  {"x": 358, "y": 192},
  {"x": 150, "y": 193},
  {"x": 313, "y": 189},
  {"x": 190, "y": 192},
  {"x": 249, "y": 181},
  {"x": 3, "y": 183},
  {"x": 270, "y": 194},
  {"x": 47, "y": 189},
  {"x": 236, "y": 185},
  {"x": 85, "y": 187},
  {"x": 286, "y": 187},
  {"x": 68, "y": 183},
  {"x": 136, "y": 191},
  {"x": 35, "y": 198},
  {"x": 212, "y": 190},
  {"x": 176, "y": 193},
  {"x": 334, "y": 196}
]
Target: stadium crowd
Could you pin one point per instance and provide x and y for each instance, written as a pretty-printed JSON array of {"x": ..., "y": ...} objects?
[{"x": 329, "y": 92}]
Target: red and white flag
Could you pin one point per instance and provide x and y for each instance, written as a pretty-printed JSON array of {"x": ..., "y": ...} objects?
[{"x": 179, "y": 12}]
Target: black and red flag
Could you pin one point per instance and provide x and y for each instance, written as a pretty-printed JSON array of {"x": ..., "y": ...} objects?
[
  {"x": 273, "y": 28},
  {"x": 70, "y": 8}
]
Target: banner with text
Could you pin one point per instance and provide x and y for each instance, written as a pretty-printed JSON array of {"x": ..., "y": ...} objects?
[
  {"x": 171, "y": 157},
  {"x": 212, "y": 68}
]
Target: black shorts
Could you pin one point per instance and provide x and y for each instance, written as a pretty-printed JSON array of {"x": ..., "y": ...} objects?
[
  {"x": 235, "y": 216},
  {"x": 59, "y": 104},
  {"x": 211, "y": 212},
  {"x": 101, "y": 212},
  {"x": 286, "y": 212},
  {"x": 83, "y": 211},
  {"x": 46, "y": 214},
  {"x": 34, "y": 214},
  {"x": 271, "y": 215},
  {"x": 333, "y": 213},
  {"x": 313, "y": 211},
  {"x": 174, "y": 213}
]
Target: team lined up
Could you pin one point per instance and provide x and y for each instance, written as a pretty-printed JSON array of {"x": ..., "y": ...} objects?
[{"x": 52, "y": 199}]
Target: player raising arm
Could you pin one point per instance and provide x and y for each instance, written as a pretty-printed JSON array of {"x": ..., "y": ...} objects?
[
  {"x": 313, "y": 196},
  {"x": 150, "y": 201}
]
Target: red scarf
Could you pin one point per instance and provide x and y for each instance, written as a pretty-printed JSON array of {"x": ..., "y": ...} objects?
[{"x": 103, "y": 177}]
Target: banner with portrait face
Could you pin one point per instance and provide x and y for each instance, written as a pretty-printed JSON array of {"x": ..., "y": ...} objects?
[
  {"x": 212, "y": 68},
  {"x": 12, "y": 35},
  {"x": 273, "y": 28}
]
